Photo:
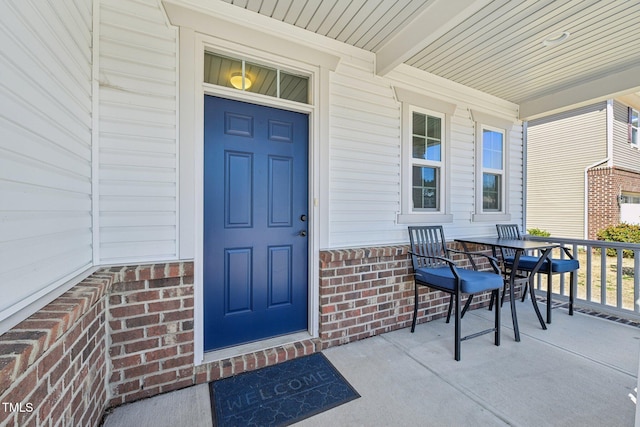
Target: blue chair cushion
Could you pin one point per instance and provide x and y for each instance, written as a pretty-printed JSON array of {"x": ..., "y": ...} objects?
[
  {"x": 557, "y": 265},
  {"x": 471, "y": 281},
  {"x": 527, "y": 262},
  {"x": 564, "y": 265}
]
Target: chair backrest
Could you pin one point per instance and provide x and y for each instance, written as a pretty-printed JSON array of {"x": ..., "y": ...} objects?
[
  {"x": 427, "y": 240},
  {"x": 508, "y": 231}
]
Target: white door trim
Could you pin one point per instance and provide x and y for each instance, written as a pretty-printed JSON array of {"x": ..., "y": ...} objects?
[{"x": 191, "y": 134}]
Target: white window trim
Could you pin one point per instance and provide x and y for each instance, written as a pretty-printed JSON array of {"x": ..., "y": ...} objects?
[
  {"x": 487, "y": 121},
  {"x": 413, "y": 101},
  {"x": 498, "y": 172},
  {"x": 632, "y": 128},
  {"x": 435, "y": 164}
]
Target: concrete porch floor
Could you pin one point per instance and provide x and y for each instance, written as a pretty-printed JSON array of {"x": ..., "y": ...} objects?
[{"x": 582, "y": 371}]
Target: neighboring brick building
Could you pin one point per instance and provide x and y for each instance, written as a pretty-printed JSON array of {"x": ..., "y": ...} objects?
[{"x": 576, "y": 192}]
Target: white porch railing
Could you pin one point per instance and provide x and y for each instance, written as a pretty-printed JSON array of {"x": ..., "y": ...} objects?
[{"x": 608, "y": 284}]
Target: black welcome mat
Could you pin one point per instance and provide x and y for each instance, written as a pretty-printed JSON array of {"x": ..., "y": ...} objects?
[{"x": 281, "y": 394}]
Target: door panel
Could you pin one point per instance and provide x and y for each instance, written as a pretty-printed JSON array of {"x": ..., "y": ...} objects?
[
  {"x": 238, "y": 194},
  {"x": 280, "y": 192},
  {"x": 255, "y": 208}
]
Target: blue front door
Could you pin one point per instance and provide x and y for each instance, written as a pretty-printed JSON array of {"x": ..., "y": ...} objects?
[{"x": 255, "y": 222}]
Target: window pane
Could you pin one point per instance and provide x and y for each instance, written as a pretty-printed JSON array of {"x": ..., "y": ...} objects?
[
  {"x": 294, "y": 88},
  {"x": 419, "y": 149},
  {"x": 433, "y": 150},
  {"x": 491, "y": 192},
  {"x": 419, "y": 124},
  {"x": 263, "y": 80},
  {"x": 433, "y": 127},
  {"x": 223, "y": 71},
  {"x": 426, "y": 182},
  {"x": 492, "y": 149},
  {"x": 218, "y": 70},
  {"x": 635, "y": 122},
  {"x": 429, "y": 148}
]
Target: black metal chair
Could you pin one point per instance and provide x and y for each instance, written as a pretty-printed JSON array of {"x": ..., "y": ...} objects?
[
  {"x": 550, "y": 267},
  {"x": 434, "y": 268}
]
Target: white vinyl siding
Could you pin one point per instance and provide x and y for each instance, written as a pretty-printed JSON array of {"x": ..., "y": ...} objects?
[
  {"x": 559, "y": 148},
  {"x": 71, "y": 177},
  {"x": 365, "y": 156},
  {"x": 137, "y": 145},
  {"x": 45, "y": 149},
  {"x": 365, "y": 159}
]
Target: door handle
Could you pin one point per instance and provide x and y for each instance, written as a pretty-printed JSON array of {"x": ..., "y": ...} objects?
[
  {"x": 303, "y": 217},
  {"x": 302, "y": 233}
]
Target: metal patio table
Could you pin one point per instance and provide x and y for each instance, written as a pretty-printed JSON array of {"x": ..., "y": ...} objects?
[{"x": 520, "y": 247}]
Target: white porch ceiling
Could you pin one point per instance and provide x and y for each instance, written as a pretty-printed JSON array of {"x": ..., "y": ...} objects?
[{"x": 495, "y": 46}]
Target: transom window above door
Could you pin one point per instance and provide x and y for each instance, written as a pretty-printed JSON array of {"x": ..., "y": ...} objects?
[{"x": 250, "y": 77}]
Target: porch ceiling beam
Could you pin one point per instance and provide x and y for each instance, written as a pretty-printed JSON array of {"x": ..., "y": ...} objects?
[
  {"x": 430, "y": 24},
  {"x": 598, "y": 89}
]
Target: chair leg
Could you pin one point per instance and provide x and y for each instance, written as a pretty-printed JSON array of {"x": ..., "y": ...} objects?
[
  {"x": 534, "y": 301},
  {"x": 466, "y": 306},
  {"x": 524, "y": 291},
  {"x": 457, "y": 327},
  {"x": 450, "y": 308},
  {"x": 496, "y": 292},
  {"x": 415, "y": 307},
  {"x": 549, "y": 300},
  {"x": 571, "y": 293},
  {"x": 497, "y": 296}
]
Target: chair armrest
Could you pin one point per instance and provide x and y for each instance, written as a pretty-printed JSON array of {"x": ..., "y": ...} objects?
[
  {"x": 439, "y": 258},
  {"x": 567, "y": 252},
  {"x": 450, "y": 262},
  {"x": 493, "y": 261}
]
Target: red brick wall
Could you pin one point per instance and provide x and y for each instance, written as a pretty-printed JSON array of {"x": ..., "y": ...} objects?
[
  {"x": 53, "y": 365},
  {"x": 363, "y": 292},
  {"x": 151, "y": 330},
  {"x": 120, "y": 335},
  {"x": 151, "y": 327},
  {"x": 605, "y": 185},
  {"x": 370, "y": 291},
  {"x": 126, "y": 333}
]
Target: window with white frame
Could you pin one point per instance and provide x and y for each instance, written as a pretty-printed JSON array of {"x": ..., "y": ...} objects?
[
  {"x": 427, "y": 160},
  {"x": 634, "y": 125},
  {"x": 493, "y": 172},
  {"x": 492, "y": 167}
]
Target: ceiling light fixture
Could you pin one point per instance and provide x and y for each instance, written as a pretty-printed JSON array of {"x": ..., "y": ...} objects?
[
  {"x": 556, "y": 38},
  {"x": 236, "y": 81}
]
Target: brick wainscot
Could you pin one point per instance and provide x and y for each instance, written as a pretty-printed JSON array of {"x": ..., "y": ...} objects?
[
  {"x": 605, "y": 187},
  {"x": 126, "y": 333}
]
